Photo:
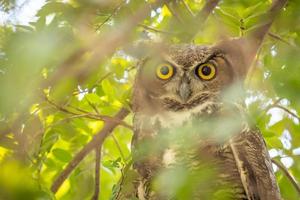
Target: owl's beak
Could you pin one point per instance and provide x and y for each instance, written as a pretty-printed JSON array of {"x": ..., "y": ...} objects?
[{"x": 184, "y": 90}]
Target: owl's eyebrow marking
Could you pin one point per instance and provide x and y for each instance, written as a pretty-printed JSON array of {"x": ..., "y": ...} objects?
[
  {"x": 212, "y": 56},
  {"x": 169, "y": 60},
  {"x": 209, "y": 58}
]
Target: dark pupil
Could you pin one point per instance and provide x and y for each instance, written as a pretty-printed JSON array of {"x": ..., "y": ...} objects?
[
  {"x": 206, "y": 70},
  {"x": 164, "y": 70}
]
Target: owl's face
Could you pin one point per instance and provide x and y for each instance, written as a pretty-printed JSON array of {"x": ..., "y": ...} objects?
[{"x": 183, "y": 77}]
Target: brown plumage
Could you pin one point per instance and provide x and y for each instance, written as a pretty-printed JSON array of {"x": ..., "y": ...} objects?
[
  {"x": 192, "y": 137},
  {"x": 181, "y": 123}
]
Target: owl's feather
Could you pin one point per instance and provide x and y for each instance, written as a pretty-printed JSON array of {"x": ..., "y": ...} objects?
[{"x": 255, "y": 166}]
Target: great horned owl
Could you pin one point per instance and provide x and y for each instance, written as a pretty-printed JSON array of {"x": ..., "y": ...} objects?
[{"x": 179, "y": 94}]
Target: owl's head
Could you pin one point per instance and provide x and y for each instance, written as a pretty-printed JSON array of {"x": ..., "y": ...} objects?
[{"x": 185, "y": 76}]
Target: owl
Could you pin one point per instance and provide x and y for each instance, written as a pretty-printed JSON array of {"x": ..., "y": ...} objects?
[{"x": 184, "y": 125}]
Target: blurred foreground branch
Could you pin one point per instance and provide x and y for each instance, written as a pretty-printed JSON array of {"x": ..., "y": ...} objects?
[
  {"x": 97, "y": 141},
  {"x": 101, "y": 46},
  {"x": 201, "y": 17}
]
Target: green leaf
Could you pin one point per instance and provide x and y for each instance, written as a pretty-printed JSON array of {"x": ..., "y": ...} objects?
[
  {"x": 228, "y": 18},
  {"x": 274, "y": 142},
  {"x": 62, "y": 155},
  {"x": 49, "y": 140},
  {"x": 108, "y": 89}
]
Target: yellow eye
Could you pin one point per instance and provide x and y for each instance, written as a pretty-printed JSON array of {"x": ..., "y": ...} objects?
[
  {"x": 206, "y": 71},
  {"x": 164, "y": 71}
]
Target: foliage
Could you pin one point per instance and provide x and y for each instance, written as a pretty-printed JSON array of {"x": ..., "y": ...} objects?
[
  {"x": 64, "y": 75},
  {"x": 6, "y": 5}
]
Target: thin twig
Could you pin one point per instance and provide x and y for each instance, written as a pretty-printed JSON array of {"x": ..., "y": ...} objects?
[
  {"x": 95, "y": 85},
  {"x": 102, "y": 79},
  {"x": 118, "y": 147},
  {"x": 103, "y": 118},
  {"x": 154, "y": 29},
  {"x": 114, "y": 12},
  {"x": 286, "y": 110},
  {"x": 97, "y": 173},
  {"x": 287, "y": 174},
  {"x": 98, "y": 82},
  {"x": 265, "y": 110},
  {"x": 88, "y": 115},
  {"x": 93, "y": 106},
  {"x": 66, "y": 120},
  {"x": 95, "y": 142},
  {"x": 277, "y": 105},
  {"x": 277, "y": 37}
]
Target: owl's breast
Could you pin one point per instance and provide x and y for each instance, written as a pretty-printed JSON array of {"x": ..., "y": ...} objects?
[
  {"x": 172, "y": 140},
  {"x": 217, "y": 158}
]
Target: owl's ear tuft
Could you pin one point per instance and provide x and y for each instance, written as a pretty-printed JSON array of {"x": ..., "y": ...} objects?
[{"x": 239, "y": 53}]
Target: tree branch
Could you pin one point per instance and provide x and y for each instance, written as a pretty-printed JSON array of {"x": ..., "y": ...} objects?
[
  {"x": 287, "y": 174},
  {"x": 95, "y": 142},
  {"x": 97, "y": 173}
]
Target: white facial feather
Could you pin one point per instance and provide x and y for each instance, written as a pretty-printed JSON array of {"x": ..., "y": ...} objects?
[
  {"x": 170, "y": 119},
  {"x": 169, "y": 157}
]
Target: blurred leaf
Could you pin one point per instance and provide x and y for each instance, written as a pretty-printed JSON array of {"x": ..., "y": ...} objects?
[{"x": 62, "y": 155}]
